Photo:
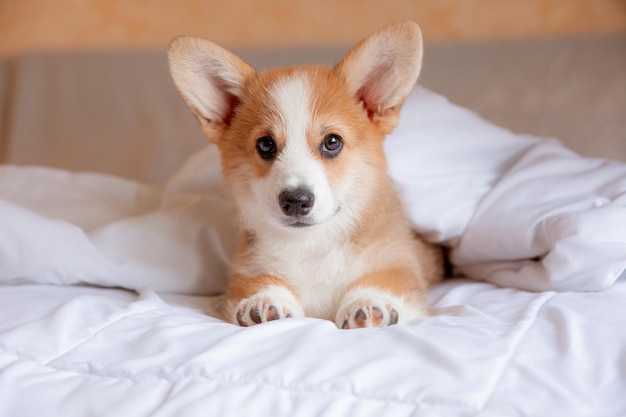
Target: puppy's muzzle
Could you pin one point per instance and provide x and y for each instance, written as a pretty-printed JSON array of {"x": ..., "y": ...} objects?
[{"x": 297, "y": 202}]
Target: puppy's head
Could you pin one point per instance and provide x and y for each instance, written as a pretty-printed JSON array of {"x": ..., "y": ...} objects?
[{"x": 301, "y": 146}]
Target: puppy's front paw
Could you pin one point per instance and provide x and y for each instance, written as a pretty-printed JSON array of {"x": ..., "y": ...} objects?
[
  {"x": 272, "y": 303},
  {"x": 367, "y": 313},
  {"x": 365, "y": 307}
]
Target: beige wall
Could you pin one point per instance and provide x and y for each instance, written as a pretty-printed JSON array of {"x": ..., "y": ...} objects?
[{"x": 27, "y": 25}]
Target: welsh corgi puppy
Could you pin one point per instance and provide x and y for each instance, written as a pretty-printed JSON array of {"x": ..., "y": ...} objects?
[{"x": 324, "y": 233}]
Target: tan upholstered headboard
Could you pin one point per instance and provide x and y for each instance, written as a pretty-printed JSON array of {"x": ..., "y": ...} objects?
[{"x": 118, "y": 112}]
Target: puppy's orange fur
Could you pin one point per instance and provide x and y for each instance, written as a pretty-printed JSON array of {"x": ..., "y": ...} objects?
[{"x": 350, "y": 256}]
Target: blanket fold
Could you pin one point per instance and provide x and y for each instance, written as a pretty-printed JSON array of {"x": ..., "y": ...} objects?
[{"x": 554, "y": 221}]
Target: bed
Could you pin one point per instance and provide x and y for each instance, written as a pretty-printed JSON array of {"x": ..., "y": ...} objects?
[{"x": 115, "y": 235}]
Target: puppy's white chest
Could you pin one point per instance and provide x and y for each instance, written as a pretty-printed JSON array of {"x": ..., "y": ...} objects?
[{"x": 318, "y": 273}]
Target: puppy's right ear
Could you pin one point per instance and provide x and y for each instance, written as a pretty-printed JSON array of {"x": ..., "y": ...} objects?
[{"x": 210, "y": 79}]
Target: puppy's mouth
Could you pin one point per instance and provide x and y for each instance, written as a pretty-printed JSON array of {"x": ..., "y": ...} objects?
[
  {"x": 300, "y": 225},
  {"x": 299, "y": 222},
  {"x": 304, "y": 222}
]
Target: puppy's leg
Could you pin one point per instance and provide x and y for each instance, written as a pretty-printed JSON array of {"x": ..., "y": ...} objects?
[
  {"x": 255, "y": 300},
  {"x": 382, "y": 299}
]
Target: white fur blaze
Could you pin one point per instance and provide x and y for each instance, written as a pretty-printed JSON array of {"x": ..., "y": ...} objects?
[
  {"x": 272, "y": 303},
  {"x": 296, "y": 166},
  {"x": 372, "y": 307}
]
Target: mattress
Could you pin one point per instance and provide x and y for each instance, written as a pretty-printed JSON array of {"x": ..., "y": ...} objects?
[{"x": 115, "y": 234}]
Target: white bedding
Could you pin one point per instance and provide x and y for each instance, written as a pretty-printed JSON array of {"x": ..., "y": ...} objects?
[
  {"x": 488, "y": 351},
  {"x": 517, "y": 211}
]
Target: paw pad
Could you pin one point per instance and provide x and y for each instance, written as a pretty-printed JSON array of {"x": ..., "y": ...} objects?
[
  {"x": 259, "y": 309},
  {"x": 366, "y": 313}
]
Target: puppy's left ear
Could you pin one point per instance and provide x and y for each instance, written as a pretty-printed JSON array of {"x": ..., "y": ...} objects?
[{"x": 382, "y": 69}]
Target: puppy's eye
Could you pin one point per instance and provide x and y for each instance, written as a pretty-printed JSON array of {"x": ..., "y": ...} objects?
[
  {"x": 331, "y": 145},
  {"x": 266, "y": 147}
]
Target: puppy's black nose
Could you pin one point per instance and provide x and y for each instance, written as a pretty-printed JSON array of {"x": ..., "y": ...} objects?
[{"x": 297, "y": 202}]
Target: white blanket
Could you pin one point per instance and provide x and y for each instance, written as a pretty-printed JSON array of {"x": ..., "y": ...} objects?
[
  {"x": 71, "y": 351},
  {"x": 515, "y": 210}
]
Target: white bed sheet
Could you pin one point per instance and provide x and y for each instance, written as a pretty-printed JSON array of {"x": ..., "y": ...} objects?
[{"x": 488, "y": 351}]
